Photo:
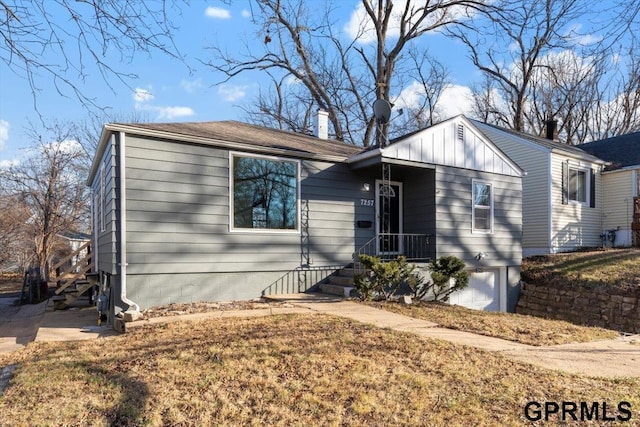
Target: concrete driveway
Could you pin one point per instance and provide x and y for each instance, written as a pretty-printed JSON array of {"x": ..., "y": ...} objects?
[{"x": 20, "y": 325}]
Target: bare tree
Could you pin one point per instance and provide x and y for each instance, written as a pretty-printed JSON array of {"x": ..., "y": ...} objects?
[
  {"x": 342, "y": 78},
  {"x": 49, "y": 184},
  {"x": 81, "y": 33},
  {"x": 508, "y": 44}
]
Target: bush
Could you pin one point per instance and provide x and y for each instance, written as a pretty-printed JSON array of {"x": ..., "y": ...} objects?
[
  {"x": 383, "y": 279},
  {"x": 441, "y": 285}
]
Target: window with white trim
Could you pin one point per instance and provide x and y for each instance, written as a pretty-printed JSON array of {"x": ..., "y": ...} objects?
[
  {"x": 264, "y": 192},
  {"x": 577, "y": 185},
  {"x": 482, "y": 212}
]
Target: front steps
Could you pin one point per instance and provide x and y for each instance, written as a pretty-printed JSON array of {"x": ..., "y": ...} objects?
[{"x": 341, "y": 283}]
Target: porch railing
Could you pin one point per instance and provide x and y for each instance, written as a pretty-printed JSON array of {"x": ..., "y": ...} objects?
[{"x": 387, "y": 246}]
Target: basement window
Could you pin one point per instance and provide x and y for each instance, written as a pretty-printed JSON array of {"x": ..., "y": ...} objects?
[{"x": 264, "y": 193}]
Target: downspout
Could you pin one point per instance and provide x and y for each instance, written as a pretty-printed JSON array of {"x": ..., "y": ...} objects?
[{"x": 123, "y": 230}]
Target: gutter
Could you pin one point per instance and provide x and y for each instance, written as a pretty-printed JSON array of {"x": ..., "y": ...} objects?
[{"x": 123, "y": 231}]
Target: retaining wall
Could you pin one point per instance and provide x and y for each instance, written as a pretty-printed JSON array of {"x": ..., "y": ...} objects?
[{"x": 594, "y": 307}]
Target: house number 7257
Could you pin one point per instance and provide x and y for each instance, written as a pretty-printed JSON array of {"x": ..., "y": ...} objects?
[{"x": 366, "y": 202}]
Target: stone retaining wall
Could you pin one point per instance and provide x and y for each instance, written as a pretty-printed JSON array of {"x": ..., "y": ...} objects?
[{"x": 594, "y": 307}]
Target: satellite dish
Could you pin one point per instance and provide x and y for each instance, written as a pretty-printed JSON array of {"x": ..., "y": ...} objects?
[{"x": 382, "y": 110}]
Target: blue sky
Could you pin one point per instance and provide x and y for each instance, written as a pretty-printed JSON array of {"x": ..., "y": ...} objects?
[{"x": 167, "y": 90}]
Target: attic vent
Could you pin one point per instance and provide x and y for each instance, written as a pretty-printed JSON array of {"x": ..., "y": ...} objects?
[{"x": 460, "y": 132}]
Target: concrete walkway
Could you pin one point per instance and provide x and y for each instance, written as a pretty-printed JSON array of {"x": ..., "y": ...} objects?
[{"x": 607, "y": 358}]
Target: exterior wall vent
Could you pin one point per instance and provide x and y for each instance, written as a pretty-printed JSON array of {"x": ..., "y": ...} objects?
[{"x": 460, "y": 132}]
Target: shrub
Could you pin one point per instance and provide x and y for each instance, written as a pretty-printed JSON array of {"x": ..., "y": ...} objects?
[
  {"x": 440, "y": 286},
  {"x": 384, "y": 278}
]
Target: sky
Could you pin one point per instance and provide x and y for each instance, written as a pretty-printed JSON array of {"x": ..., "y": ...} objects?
[{"x": 166, "y": 90}]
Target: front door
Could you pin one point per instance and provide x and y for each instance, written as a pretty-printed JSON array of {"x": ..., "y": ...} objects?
[{"x": 389, "y": 234}]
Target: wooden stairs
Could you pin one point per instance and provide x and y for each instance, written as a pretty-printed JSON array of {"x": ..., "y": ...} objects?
[{"x": 71, "y": 280}]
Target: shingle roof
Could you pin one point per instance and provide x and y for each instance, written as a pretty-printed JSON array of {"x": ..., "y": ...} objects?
[
  {"x": 570, "y": 150},
  {"x": 621, "y": 151},
  {"x": 243, "y": 133}
]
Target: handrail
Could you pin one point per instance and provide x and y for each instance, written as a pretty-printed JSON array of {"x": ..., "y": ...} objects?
[
  {"x": 301, "y": 279},
  {"x": 387, "y": 246},
  {"x": 71, "y": 255}
]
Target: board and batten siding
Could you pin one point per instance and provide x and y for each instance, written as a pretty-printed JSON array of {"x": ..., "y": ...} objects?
[
  {"x": 179, "y": 244},
  {"x": 454, "y": 234},
  {"x": 574, "y": 225}
]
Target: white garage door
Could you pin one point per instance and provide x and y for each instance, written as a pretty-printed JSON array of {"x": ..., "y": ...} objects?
[{"x": 482, "y": 293}]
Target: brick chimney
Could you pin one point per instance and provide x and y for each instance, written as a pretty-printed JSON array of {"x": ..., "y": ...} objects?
[{"x": 322, "y": 124}]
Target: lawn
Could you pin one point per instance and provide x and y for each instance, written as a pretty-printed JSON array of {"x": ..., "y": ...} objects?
[
  {"x": 611, "y": 268},
  {"x": 509, "y": 326},
  {"x": 284, "y": 370}
]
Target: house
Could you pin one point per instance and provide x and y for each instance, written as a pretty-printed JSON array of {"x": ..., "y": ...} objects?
[
  {"x": 562, "y": 192},
  {"x": 621, "y": 185},
  {"x": 211, "y": 211}
]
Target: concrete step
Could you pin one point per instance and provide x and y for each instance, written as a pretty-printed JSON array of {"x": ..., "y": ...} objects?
[
  {"x": 344, "y": 291},
  {"x": 341, "y": 280},
  {"x": 350, "y": 271}
]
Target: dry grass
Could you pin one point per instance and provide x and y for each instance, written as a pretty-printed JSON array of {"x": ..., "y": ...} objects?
[
  {"x": 282, "y": 370},
  {"x": 619, "y": 268},
  {"x": 509, "y": 326}
]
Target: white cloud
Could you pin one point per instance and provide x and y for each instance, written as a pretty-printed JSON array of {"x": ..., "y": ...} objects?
[
  {"x": 142, "y": 95},
  {"x": 173, "y": 112},
  {"x": 361, "y": 28},
  {"x": 583, "y": 39},
  {"x": 245, "y": 13},
  {"x": 6, "y": 164},
  {"x": 4, "y": 133},
  {"x": 191, "y": 86},
  {"x": 217, "y": 13},
  {"x": 232, "y": 93},
  {"x": 455, "y": 99}
]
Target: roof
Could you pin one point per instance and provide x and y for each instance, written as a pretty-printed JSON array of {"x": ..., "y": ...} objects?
[
  {"x": 233, "y": 135},
  {"x": 544, "y": 143},
  {"x": 233, "y": 131},
  {"x": 74, "y": 235},
  {"x": 622, "y": 151}
]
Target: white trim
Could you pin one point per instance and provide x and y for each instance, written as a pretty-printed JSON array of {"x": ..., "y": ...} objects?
[
  {"x": 587, "y": 184},
  {"x": 502, "y": 283},
  {"x": 473, "y": 207},
  {"x": 400, "y": 212},
  {"x": 550, "y": 201},
  {"x": 123, "y": 228},
  {"x": 233, "y": 229}
]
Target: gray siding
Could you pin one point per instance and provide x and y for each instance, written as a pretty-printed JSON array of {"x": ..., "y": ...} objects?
[
  {"x": 179, "y": 243},
  {"x": 105, "y": 246},
  {"x": 453, "y": 218}
]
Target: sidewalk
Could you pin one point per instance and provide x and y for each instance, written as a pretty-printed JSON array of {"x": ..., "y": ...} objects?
[{"x": 608, "y": 358}]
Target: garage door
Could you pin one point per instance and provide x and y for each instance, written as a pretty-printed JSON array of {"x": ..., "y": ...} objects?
[{"x": 482, "y": 293}]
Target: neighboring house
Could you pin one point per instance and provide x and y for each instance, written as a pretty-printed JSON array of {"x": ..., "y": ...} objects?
[
  {"x": 561, "y": 191},
  {"x": 621, "y": 184},
  {"x": 189, "y": 212}
]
